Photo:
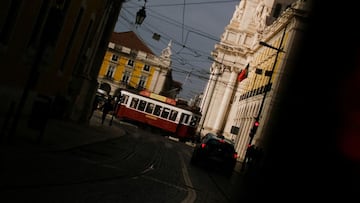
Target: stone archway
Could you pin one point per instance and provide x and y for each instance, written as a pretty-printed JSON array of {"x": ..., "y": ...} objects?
[{"x": 106, "y": 87}]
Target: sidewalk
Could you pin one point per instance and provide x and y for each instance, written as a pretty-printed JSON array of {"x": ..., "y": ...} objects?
[
  {"x": 27, "y": 164},
  {"x": 63, "y": 135}
]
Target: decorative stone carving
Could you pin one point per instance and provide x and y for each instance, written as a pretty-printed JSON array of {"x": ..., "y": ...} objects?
[
  {"x": 239, "y": 10},
  {"x": 256, "y": 39},
  {"x": 261, "y": 13},
  {"x": 166, "y": 53}
]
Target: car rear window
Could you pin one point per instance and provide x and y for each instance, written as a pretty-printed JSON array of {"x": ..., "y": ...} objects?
[{"x": 223, "y": 145}]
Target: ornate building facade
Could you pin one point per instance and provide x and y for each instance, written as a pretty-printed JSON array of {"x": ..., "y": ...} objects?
[{"x": 250, "y": 67}]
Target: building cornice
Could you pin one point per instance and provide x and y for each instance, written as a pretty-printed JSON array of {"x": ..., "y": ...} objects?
[
  {"x": 296, "y": 9},
  {"x": 139, "y": 56}
]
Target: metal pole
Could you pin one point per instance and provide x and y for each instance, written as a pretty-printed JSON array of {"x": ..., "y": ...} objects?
[{"x": 267, "y": 87}]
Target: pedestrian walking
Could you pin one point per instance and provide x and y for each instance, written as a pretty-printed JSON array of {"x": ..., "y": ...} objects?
[
  {"x": 108, "y": 107},
  {"x": 249, "y": 157}
]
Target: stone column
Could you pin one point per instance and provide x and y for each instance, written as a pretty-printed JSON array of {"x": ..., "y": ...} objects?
[{"x": 230, "y": 88}]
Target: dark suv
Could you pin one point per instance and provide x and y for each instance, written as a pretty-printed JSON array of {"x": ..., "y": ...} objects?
[{"x": 216, "y": 151}]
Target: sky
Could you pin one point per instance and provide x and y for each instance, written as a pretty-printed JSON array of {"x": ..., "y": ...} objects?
[{"x": 192, "y": 26}]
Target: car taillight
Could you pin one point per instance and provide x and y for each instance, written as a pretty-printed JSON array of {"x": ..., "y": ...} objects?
[
  {"x": 222, "y": 141},
  {"x": 203, "y": 145},
  {"x": 235, "y": 155}
]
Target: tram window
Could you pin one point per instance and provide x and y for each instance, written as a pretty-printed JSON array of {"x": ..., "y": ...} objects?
[
  {"x": 165, "y": 113},
  {"x": 124, "y": 99},
  {"x": 149, "y": 108},
  {"x": 173, "y": 115},
  {"x": 134, "y": 103},
  {"x": 193, "y": 121},
  {"x": 142, "y": 105},
  {"x": 185, "y": 118},
  {"x": 157, "y": 110}
]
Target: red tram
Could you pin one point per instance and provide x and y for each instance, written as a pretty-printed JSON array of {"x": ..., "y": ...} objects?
[{"x": 160, "y": 112}]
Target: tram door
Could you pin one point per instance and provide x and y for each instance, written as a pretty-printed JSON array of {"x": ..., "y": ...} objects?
[{"x": 182, "y": 126}]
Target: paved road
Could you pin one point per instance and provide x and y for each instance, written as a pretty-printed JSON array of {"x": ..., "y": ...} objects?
[{"x": 25, "y": 163}]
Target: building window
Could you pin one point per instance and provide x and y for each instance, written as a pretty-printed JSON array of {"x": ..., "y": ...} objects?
[
  {"x": 142, "y": 81},
  {"x": 130, "y": 63},
  {"x": 72, "y": 37},
  {"x": 35, "y": 34},
  {"x": 110, "y": 71},
  {"x": 83, "y": 54},
  {"x": 10, "y": 21},
  {"x": 277, "y": 10},
  {"x": 146, "y": 68},
  {"x": 115, "y": 57},
  {"x": 55, "y": 20},
  {"x": 126, "y": 77}
]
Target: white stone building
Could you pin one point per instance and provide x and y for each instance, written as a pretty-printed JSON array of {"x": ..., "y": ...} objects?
[{"x": 231, "y": 105}]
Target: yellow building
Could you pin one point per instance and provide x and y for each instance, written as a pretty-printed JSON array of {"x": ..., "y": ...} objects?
[{"x": 130, "y": 64}]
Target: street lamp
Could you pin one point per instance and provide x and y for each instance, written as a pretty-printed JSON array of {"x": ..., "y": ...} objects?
[
  {"x": 141, "y": 15},
  {"x": 271, "y": 47}
]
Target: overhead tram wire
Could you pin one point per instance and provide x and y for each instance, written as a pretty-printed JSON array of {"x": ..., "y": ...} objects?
[
  {"x": 188, "y": 62},
  {"x": 201, "y": 76},
  {"x": 177, "y": 24},
  {"x": 178, "y": 56},
  {"x": 180, "y": 70},
  {"x": 183, "y": 23},
  {"x": 180, "y": 4},
  {"x": 182, "y": 44},
  {"x": 166, "y": 37}
]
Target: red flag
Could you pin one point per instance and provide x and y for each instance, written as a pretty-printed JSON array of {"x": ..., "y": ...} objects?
[{"x": 243, "y": 74}]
